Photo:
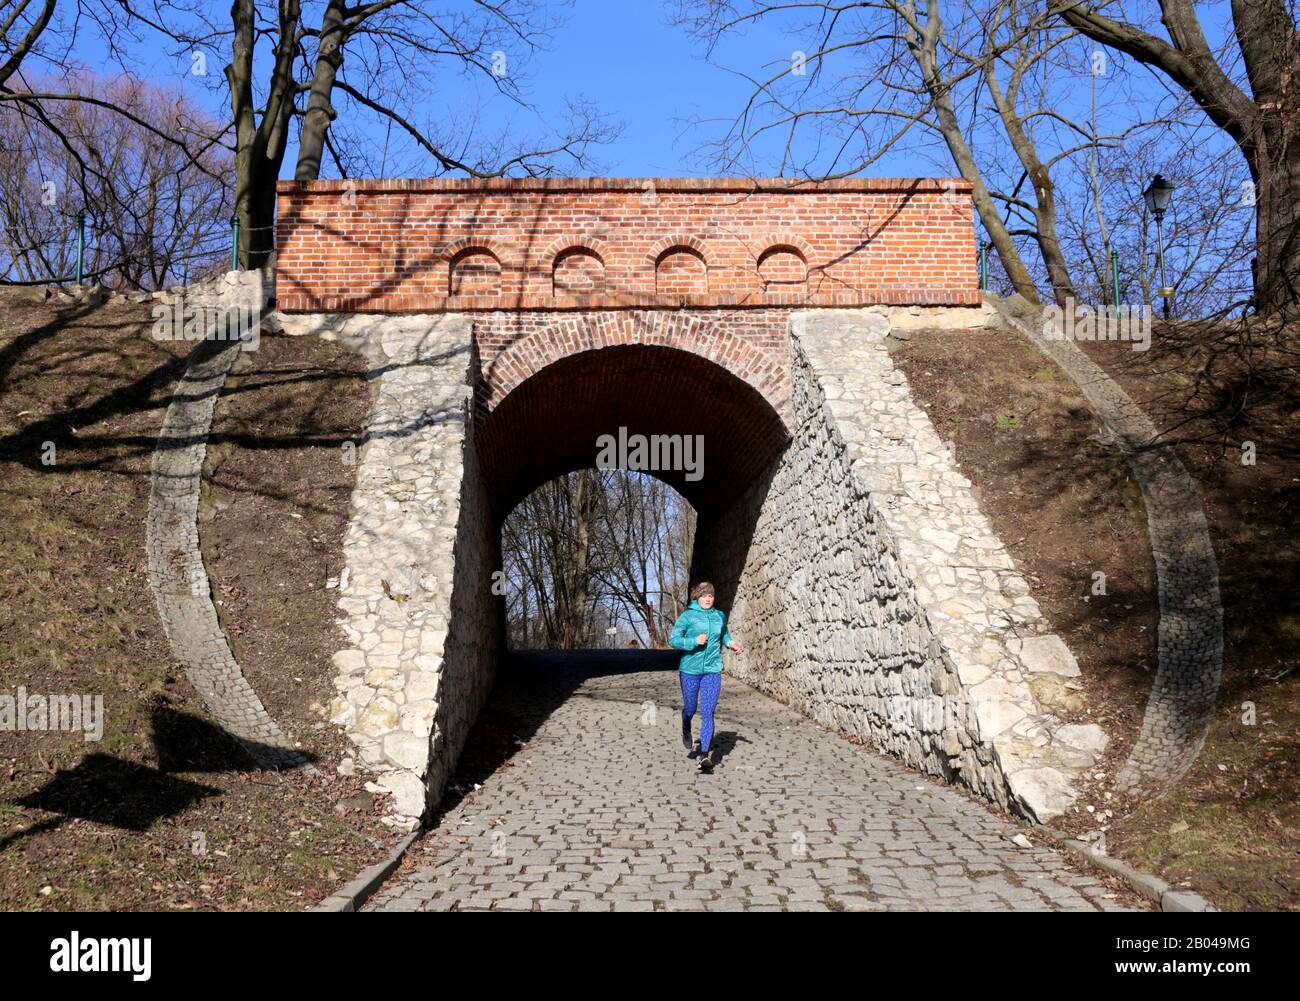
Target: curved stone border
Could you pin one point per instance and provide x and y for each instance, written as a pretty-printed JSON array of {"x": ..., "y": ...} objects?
[
  {"x": 1152, "y": 887},
  {"x": 362, "y": 887},
  {"x": 1190, "y": 634},
  {"x": 176, "y": 573}
]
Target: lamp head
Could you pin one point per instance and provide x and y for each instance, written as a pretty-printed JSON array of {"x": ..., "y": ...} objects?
[{"x": 1157, "y": 196}]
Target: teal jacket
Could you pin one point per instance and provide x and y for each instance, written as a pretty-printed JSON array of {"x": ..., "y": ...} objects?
[{"x": 699, "y": 658}]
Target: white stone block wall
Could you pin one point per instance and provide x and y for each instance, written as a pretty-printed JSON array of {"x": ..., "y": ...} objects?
[
  {"x": 864, "y": 582},
  {"x": 871, "y": 593},
  {"x": 423, "y": 627}
]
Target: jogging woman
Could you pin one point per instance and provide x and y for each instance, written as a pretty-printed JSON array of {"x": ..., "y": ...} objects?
[{"x": 701, "y": 633}]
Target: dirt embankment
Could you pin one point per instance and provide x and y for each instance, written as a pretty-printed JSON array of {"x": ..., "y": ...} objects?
[
  {"x": 1063, "y": 501},
  {"x": 164, "y": 811}
]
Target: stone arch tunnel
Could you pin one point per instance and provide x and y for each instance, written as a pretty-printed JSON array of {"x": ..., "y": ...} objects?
[
  {"x": 833, "y": 518},
  {"x": 649, "y": 386}
]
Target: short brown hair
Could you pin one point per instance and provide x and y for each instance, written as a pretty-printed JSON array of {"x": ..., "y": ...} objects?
[{"x": 703, "y": 587}]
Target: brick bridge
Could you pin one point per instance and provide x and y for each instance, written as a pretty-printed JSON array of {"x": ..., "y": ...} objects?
[{"x": 511, "y": 323}]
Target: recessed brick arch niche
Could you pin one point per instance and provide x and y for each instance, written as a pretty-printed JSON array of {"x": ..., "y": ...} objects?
[{"x": 512, "y": 323}]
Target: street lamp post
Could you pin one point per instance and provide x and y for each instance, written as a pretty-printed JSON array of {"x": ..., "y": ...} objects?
[{"x": 1157, "y": 196}]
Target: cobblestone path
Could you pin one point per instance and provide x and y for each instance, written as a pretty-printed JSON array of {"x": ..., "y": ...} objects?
[{"x": 600, "y": 809}]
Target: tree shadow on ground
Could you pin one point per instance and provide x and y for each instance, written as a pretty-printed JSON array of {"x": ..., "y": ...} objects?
[{"x": 133, "y": 796}]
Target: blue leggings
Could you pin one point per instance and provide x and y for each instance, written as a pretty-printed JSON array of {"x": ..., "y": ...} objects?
[{"x": 707, "y": 688}]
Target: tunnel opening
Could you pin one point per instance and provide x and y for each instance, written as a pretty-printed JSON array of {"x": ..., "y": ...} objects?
[
  {"x": 597, "y": 559},
  {"x": 680, "y": 404},
  {"x": 666, "y": 432}
]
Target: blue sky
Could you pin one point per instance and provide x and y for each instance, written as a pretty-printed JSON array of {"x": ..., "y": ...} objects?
[
  {"x": 632, "y": 63},
  {"x": 623, "y": 56},
  {"x": 630, "y": 60}
]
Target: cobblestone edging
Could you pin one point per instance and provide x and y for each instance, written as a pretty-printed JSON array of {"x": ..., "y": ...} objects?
[
  {"x": 177, "y": 576},
  {"x": 366, "y": 883},
  {"x": 419, "y": 554},
  {"x": 1190, "y": 634},
  {"x": 1152, "y": 887},
  {"x": 875, "y": 596}
]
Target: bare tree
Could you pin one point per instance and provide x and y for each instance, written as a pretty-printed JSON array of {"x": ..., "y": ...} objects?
[
  {"x": 1265, "y": 125},
  {"x": 990, "y": 87},
  {"x": 594, "y": 550},
  {"x": 1208, "y": 233},
  {"x": 548, "y": 548},
  {"x": 1031, "y": 43},
  {"x": 645, "y": 534},
  {"x": 401, "y": 47},
  {"x": 286, "y": 71},
  {"x": 904, "y": 98},
  {"x": 153, "y": 217},
  {"x": 21, "y": 26}
]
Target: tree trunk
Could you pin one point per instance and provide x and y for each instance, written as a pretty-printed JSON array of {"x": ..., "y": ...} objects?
[
  {"x": 1049, "y": 243},
  {"x": 924, "y": 45},
  {"x": 320, "y": 110},
  {"x": 1277, "y": 236},
  {"x": 582, "y": 552},
  {"x": 259, "y": 146}
]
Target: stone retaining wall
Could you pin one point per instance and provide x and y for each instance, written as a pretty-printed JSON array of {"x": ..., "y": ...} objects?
[
  {"x": 871, "y": 593},
  {"x": 869, "y": 590},
  {"x": 419, "y": 553}
]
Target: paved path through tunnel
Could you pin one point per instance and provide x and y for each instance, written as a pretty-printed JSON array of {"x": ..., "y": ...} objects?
[{"x": 601, "y": 809}]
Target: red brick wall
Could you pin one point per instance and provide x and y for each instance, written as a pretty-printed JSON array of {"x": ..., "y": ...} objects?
[
  {"x": 751, "y": 344},
  {"x": 463, "y": 245}
]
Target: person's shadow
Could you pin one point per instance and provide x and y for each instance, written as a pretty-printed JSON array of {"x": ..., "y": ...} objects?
[{"x": 726, "y": 741}]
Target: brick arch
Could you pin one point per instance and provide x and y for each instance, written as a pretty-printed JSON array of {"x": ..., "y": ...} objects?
[
  {"x": 564, "y": 243},
  {"x": 561, "y": 255},
  {"x": 695, "y": 243},
  {"x": 483, "y": 285},
  {"x": 776, "y": 241},
  {"x": 501, "y": 251},
  {"x": 653, "y": 387},
  {"x": 576, "y": 334}
]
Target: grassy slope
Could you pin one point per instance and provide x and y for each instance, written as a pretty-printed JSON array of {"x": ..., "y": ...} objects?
[
  {"x": 1067, "y": 508},
  {"x": 115, "y": 824}
]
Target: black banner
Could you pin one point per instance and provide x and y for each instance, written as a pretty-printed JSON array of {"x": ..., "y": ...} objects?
[{"x": 231, "y": 951}]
